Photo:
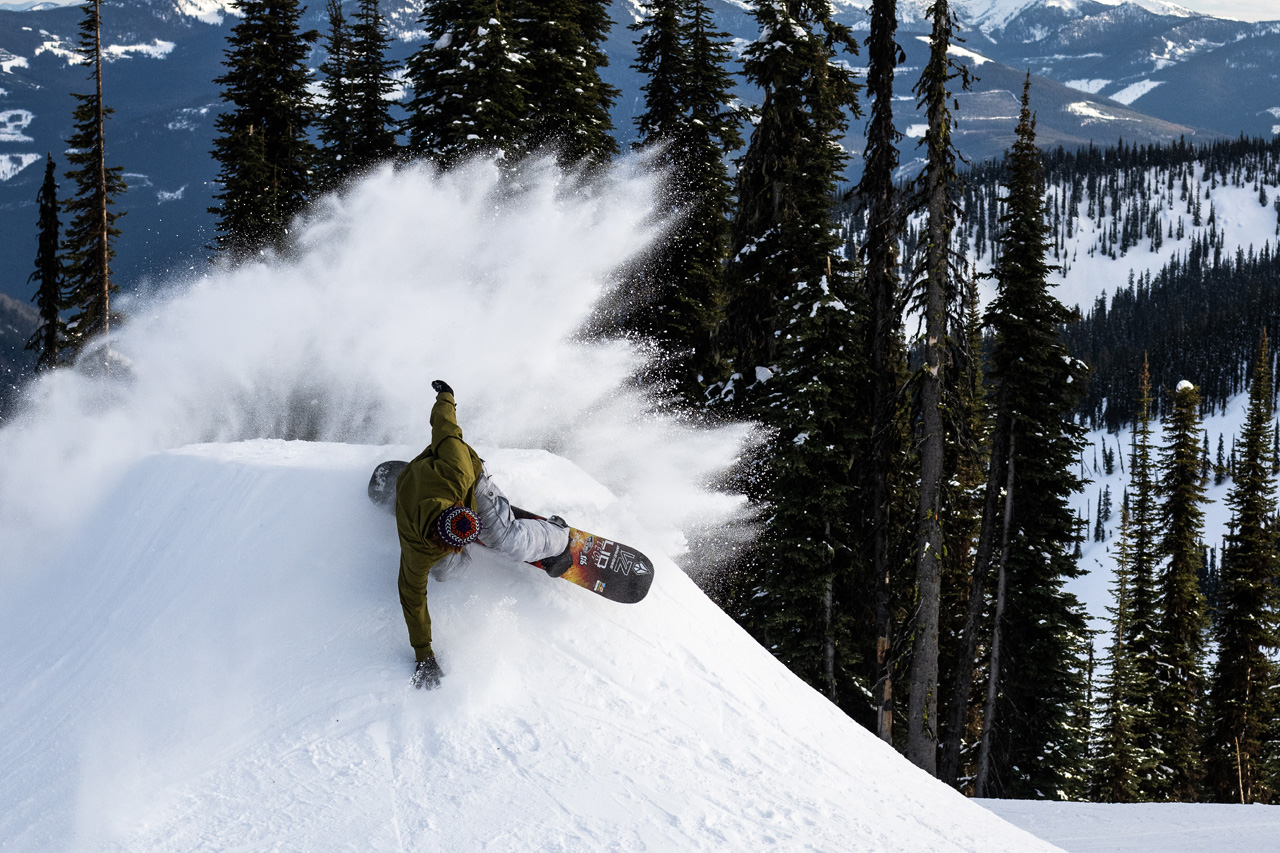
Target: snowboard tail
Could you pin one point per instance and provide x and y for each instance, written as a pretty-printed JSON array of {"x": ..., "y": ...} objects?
[{"x": 606, "y": 567}]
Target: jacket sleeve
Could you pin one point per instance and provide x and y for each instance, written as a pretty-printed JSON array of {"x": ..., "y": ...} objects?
[
  {"x": 453, "y": 456},
  {"x": 413, "y": 601},
  {"x": 417, "y": 556}
]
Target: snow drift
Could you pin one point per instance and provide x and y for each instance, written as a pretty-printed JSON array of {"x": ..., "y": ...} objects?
[{"x": 200, "y": 641}]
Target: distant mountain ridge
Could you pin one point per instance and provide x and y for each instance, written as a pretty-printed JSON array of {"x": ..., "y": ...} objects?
[{"x": 1148, "y": 73}]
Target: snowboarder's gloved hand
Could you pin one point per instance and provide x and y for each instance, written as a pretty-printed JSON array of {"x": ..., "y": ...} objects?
[
  {"x": 426, "y": 675},
  {"x": 441, "y": 387}
]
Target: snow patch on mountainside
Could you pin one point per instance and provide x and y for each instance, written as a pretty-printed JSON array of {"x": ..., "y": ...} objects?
[
  {"x": 1091, "y": 87},
  {"x": 63, "y": 48},
  {"x": 1134, "y": 91},
  {"x": 1159, "y": 7},
  {"x": 13, "y": 123},
  {"x": 954, "y": 50},
  {"x": 1093, "y": 113},
  {"x": 207, "y": 11},
  {"x": 10, "y": 61},
  {"x": 12, "y": 164},
  {"x": 157, "y": 49}
]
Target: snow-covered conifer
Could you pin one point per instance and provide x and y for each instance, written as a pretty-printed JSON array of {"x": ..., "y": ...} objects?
[
  {"x": 88, "y": 243},
  {"x": 50, "y": 336}
]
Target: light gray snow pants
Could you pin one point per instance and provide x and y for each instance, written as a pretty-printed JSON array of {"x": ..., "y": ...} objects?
[{"x": 524, "y": 539}]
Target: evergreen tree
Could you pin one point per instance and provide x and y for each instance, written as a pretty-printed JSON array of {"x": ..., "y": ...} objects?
[
  {"x": 804, "y": 599},
  {"x": 1116, "y": 766},
  {"x": 568, "y": 102},
  {"x": 885, "y": 225},
  {"x": 1143, "y": 637},
  {"x": 372, "y": 82},
  {"x": 1032, "y": 741},
  {"x": 334, "y": 121},
  {"x": 88, "y": 242},
  {"x": 1182, "y": 622},
  {"x": 1241, "y": 697},
  {"x": 50, "y": 335},
  {"x": 263, "y": 148},
  {"x": 794, "y": 277},
  {"x": 783, "y": 233},
  {"x": 468, "y": 79},
  {"x": 690, "y": 121}
]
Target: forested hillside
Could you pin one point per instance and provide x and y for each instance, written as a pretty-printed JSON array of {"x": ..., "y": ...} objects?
[{"x": 1165, "y": 250}]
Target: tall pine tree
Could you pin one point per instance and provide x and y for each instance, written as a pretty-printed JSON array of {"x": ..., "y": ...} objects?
[
  {"x": 468, "y": 79},
  {"x": 334, "y": 124},
  {"x": 783, "y": 233},
  {"x": 263, "y": 148},
  {"x": 1182, "y": 621},
  {"x": 1143, "y": 629},
  {"x": 568, "y": 102},
  {"x": 50, "y": 336},
  {"x": 787, "y": 277},
  {"x": 803, "y": 601},
  {"x": 690, "y": 121},
  {"x": 88, "y": 242},
  {"x": 372, "y": 80},
  {"x": 1031, "y": 740},
  {"x": 1115, "y": 778},
  {"x": 1242, "y": 694},
  {"x": 883, "y": 341}
]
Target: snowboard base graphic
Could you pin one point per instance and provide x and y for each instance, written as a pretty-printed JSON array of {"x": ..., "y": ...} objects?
[{"x": 608, "y": 568}]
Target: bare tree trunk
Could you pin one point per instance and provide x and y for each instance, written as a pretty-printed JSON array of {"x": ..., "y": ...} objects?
[
  {"x": 829, "y": 637},
  {"x": 881, "y": 258},
  {"x": 922, "y": 717},
  {"x": 993, "y": 676},
  {"x": 962, "y": 686},
  {"x": 922, "y": 725}
]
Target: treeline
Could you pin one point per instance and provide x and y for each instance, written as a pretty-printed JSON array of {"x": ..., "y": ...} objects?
[
  {"x": 1125, "y": 197},
  {"x": 1198, "y": 315},
  {"x": 912, "y": 489},
  {"x": 1186, "y": 702}
]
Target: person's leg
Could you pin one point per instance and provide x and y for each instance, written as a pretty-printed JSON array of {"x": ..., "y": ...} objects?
[{"x": 527, "y": 539}]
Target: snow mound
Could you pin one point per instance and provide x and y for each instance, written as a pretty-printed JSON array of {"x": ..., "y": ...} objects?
[{"x": 216, "y": 659}]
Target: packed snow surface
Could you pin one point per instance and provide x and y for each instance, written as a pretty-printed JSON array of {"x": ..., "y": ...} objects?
[
  {"x": 1146, "y": 827},
  {"x": 201, "y": 645}
]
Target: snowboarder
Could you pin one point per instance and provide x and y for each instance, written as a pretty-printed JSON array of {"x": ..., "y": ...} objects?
[{"x": 445, "y": 503}]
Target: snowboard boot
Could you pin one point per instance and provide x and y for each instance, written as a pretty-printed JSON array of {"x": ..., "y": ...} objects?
[{"x": 559, "y": 564}]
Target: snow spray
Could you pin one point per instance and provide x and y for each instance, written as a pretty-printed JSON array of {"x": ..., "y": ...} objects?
[{"x": 477, "y": 276}]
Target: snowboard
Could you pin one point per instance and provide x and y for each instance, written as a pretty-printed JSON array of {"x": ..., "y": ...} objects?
[{"x": 607, "y": 567}]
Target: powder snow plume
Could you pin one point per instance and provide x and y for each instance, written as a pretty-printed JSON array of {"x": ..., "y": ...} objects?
[{"x": 477, "y": 276}]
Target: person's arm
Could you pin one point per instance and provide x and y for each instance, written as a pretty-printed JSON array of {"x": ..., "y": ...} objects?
[
  {"x": 413, "y": 601},
  {"x": 450, "y": 450}
]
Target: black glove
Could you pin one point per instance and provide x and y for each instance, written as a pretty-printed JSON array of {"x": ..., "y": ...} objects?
[
  {"x": 441, "y": 387},
  {"x": 426, "y": 675}
]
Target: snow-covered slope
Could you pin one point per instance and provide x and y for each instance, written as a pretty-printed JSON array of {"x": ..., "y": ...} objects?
[
  {"x": 217, "y": 659},
  {"x": 201, "y": 645}
]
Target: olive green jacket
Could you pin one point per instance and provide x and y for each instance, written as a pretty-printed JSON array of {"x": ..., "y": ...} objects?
[{"x": 443, "y": 474}]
